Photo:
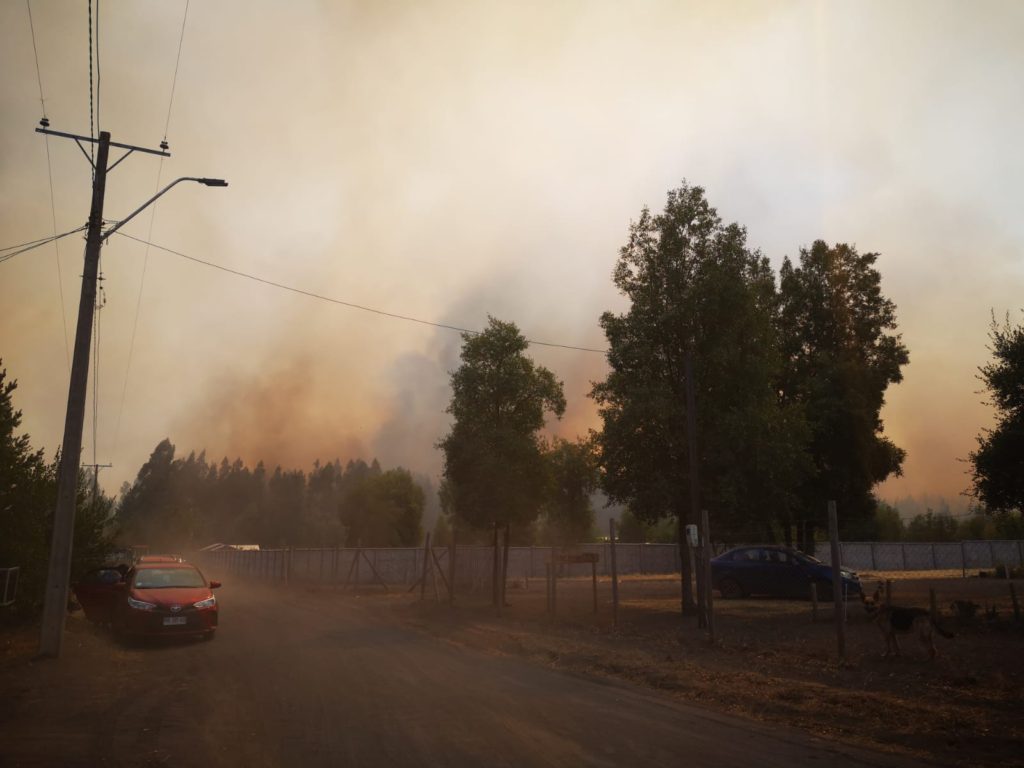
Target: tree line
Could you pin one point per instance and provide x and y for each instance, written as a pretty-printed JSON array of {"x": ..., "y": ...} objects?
[
  {"x": 186, "y": 503},
  {"x": 754, "y": 395}
]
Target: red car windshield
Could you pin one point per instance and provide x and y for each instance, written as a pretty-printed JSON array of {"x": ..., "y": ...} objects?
[{"x": 167, "y": 578}]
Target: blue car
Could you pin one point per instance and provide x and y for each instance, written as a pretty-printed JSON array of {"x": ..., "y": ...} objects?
[{"x": 776, "y": 572}]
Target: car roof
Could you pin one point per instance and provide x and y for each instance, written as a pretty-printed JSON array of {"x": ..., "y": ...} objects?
[{"x": 780, "y": 547}]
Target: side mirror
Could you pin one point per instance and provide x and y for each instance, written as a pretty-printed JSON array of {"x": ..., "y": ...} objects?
[{"x": 214, "y": 584}]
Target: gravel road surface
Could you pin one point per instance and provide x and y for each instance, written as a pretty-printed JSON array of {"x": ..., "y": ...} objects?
[{"x": 306, "y": 679}]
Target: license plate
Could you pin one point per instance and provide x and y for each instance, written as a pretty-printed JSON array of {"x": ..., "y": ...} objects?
[{"x": 171, "y": 621}]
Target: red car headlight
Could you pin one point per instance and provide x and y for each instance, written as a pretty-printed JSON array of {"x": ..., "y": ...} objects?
[
  {"x": 140, "y": 605},
  {"x": 207, "y": 603}
]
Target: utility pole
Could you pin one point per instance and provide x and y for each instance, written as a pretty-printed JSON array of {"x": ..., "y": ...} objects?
[
  {"x": 691, "y": 441},
  {"x": 96, "y": 478},
  {"x": 56, "y": 596},
  {"x": 59, "y": 572}
]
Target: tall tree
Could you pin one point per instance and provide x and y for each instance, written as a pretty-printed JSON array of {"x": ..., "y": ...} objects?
[
  {"x": 568, "y": 511},
  {"x": 383, "y": 509},
  {"x": 998, "y": 464},
  {"x": 28, "y": 496},
  {"x": 148, "y": 509},
  {"x": 493, "y": 458},
  {"x": 695, "y": 289},
  {"x": 841, "y": 354}
]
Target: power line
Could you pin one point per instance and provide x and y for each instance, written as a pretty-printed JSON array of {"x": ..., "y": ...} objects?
[
  {"x": 100, "y": 301},
  {"x": 99, "y": 100},
  {"x": 36, "y": 244},
  {"x": 56, "y": 245},
  {"x": 177, "y": 61},
  {"x": 349, "y": 304},
  {"x": 92, "y": 122},
  {"x": 145, "y": 255},
  {"x": 35, "y": 53},
  {"x": 49, "y": 176}
]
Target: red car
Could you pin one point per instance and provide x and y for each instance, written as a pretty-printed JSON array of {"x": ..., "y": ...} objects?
[
  {"x": 160, "y": 559},
  {"x": 151, "y": 600}
]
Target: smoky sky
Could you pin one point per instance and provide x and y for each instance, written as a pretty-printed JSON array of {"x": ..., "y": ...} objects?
[{"x": 452, "y": 160}]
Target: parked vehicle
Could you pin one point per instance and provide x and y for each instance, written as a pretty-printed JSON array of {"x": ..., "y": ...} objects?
[
  {"x": 151, "y": 600},
  {"x": 161, "y": 559},
  {"x": 97, "y": 592},
  {"x": 776, "y": 572}
]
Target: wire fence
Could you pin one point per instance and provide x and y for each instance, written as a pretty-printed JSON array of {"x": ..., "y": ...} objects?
[{"x": 474, "y": 564}]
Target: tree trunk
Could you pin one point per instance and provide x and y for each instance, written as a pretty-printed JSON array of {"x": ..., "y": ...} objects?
[
  {"x": 807, "y": 545},
  {"x": 686, "y": 569}
]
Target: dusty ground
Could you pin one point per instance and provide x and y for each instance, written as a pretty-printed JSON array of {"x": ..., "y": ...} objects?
[
  {"x": 301, "y": 678},
  {"x": 772, "y": 664}
]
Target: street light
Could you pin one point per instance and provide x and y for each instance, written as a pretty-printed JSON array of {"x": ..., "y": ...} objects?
[{"x": 137, "y": 211}]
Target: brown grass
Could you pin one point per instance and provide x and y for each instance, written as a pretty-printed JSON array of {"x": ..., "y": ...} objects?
[{"x": 771, "y": 663}]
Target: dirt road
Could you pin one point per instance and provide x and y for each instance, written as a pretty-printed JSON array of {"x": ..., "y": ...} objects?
[{"x": 305, "y": 679}]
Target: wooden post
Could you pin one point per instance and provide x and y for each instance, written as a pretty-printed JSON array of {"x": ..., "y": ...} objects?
[
  {"x": 702, "y": 613},
  {"x": 547, "y": 588},
  {"x": 451, "y": 569},
  {"x": 529, "y": 569},
  {"x": 434, "y": 570},
  {"x": 814, "y": 602},
  {"x": 426, "y": 560},
  {"x": 709, "y": 599},
  {"x": 495, "y": 575},
  {"x": 837, "y": 580},
  {"x": 888, "y": 593},
  {"x": 615, "y": 572},
  {"x": 373, "y": 569},
  {"x": 556, "y": 554},
  {"x": 1016, "y": 604},
  {"x": 504, "y": 566},
  {"x": 593, "y": 580},
  {"x": 440, "y": 572}
]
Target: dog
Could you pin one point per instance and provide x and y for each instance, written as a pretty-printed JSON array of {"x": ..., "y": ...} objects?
[{"x": 893, "y": 621}]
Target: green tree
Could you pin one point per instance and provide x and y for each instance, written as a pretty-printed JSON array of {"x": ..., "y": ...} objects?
[
  {"x": 631, "y": 529},
  {"x": 695, "y": 288},
  {"x": 493, "y": 457},
  {"x": 28, "y": 496},
  {"x": 887, "y": 525},
  {"x": 932, "y": 526},
  {"x": 568, "y": 514},
  {"x": 841, "y": 355},
  {"x": 147, "y": 510},
  {"x": 997, "y": 467},
  {"x": 383, "y": 509}
]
